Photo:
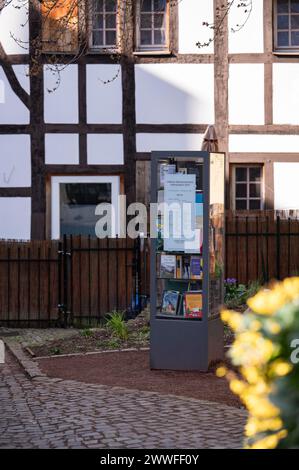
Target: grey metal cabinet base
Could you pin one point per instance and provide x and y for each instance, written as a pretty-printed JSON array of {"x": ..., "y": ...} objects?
[{"x": 180, "y": 341}]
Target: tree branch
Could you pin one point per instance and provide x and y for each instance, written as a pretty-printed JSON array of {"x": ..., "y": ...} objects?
[{"x": 12, "y": 78}]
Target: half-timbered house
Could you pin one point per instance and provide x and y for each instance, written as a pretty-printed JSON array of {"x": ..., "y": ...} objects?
[{"x": 82, "y": 108}]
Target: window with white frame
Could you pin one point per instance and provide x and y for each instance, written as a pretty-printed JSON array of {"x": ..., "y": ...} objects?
[
  {"x": 247, "y": 190},
  {"x": 74, "y": 200},
  {"x": 286, "y": 25},
  {"x": 152, "y": 25},
  {"x": 104, "y": 24}
]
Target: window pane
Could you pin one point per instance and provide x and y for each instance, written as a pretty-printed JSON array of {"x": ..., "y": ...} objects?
[
  {"x": 255, "y": 190},
  {"x": 111, "y": 21},
  {"x": 159, "y": 5},
  {"x": 145, "y": 37},
  {"x": 110, "y": 38},
  {"x": 295, "y": 38},
  {"x": 159, "y": 36},
  {"x": 159, "y": 21},
  {"x": 255, "y": 204},
  {"x": 241, "y": 190},
  {"x": 282, "y": 6},
  {"x": 110, "y": 5},
  {"x": 97, "y": 5},
  {"x": 146, "y": 21},
  {"x": 146, "y": 5},
  {"x": 282, "y": 39},
  {"x": 77, "y": 206},
  {"x": 98, "y": 22},
  {"x": 255, "y": 173},
  {"x": 282, "y": 22},
  {"x": 241, "y": 174},
  {"x": 295, "y": 21},
  {"x": 97, "y": 38},
  {"x": 295, "y": 6},
  {"x": 241, "y": 204}
]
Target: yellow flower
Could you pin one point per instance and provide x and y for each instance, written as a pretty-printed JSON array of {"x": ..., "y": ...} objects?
[
  {"x": 251, "y": 349},
  {"x": 233, "y": 319},
  {"x": 237, "y": 386},
  {"x": 291, "y": 287},
  {"x": 255, "y": 426},
  {"x": 251, "y": 374},
  {"x": 221, "y": 371},
  {"x": 267, "y": 302},
  {"x": 281, "y": 368},
  {"x": 273, "y": 327},
  {"x": 269, "y": 442}
]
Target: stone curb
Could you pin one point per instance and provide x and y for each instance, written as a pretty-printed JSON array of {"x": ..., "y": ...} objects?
[
  {"x": 89, "y": 353},
  {"x": 30, "y": 367}
]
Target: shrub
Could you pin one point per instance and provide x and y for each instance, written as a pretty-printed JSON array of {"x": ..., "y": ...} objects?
[
  {"x": 116, "y": 324},
  {"x": 263, "y": 351},
  {"x": 236, "y": 294}
]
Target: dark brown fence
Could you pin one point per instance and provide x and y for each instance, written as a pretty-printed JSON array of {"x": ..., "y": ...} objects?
[
  {"x": 262, "y": 247},
  {"x": 76, "y": 280}
]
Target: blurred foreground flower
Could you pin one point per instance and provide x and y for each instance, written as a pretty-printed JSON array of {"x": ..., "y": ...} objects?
[{"x": 267, "y": 382}]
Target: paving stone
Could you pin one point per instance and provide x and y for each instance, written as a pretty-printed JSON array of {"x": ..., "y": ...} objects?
[{"x": 46, "y": 413}]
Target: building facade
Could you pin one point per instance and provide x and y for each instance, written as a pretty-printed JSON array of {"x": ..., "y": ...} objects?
[{"x": 79, "y": 117}]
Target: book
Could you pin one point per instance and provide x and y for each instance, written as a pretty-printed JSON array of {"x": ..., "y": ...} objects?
[
  {"x": 196, "y": 266},
  {"x": 193, "y": 304},
  {"x": 179, "y": 268},
  {"x": 168, "y": 266},
  {"x": 170, "y": 302},
  {"x": 186, "y": 267}
]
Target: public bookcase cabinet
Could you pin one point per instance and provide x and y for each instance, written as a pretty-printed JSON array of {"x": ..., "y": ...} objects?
[{"x": 187, "y": 273}]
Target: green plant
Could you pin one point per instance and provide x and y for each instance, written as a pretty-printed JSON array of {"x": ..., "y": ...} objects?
[
  {"x": 116, "y": 324},
  {"x": 236, "y": 294},
  {"x": 56, "y": 351},
  {"x": 87, "y": 332}
]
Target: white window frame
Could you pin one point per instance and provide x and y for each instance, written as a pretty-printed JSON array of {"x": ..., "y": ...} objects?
[
  {"x": 55, "y": 198},
  {"x": 151, "y": 47},
  {"x": 289, "y": 48},
  {"x": 248, "y": 198},
  {"x": 103, "y": 48}
]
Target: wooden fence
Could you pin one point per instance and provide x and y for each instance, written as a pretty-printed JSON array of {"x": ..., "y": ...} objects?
[
  {"x": 76, "y": 280},
  {"x": 262, "y": 247}
]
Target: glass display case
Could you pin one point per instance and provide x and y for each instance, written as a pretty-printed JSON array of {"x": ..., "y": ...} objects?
[{"x": 187, "y": 259}]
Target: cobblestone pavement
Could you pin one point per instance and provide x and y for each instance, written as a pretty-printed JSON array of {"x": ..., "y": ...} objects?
[{"x": 54, "y": 413}]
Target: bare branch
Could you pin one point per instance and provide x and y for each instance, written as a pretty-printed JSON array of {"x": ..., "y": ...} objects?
[{"x": 12, "y": 78}]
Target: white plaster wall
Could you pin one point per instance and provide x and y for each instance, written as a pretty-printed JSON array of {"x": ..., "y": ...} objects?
[
  {"x": 15, "y": 218},
  {"x": 154, "y": 142},
  {"x": 12, "y": 110},
  {"x": 246, "y": 94},
  {"x": 267, "y": 143},
  {"x": 14, "y": 24},
  {"x": 104, "y": 100},
  {"x": 62, "y": 149},
  {"x": 174, "y": 93},
  {"x": 192, "y": 14},
  {"x": 286, "y": 187},
  {"x": 61, "y": 105},
  {"x": 105, "y": 149},
  {"x": 250, "y": 38},
  {"x": 285, "y": 93},
  {"x": 15, "y": 161}
]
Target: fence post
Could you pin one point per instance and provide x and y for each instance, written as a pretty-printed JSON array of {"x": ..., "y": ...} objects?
[{"x": 278, "y": 247}]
